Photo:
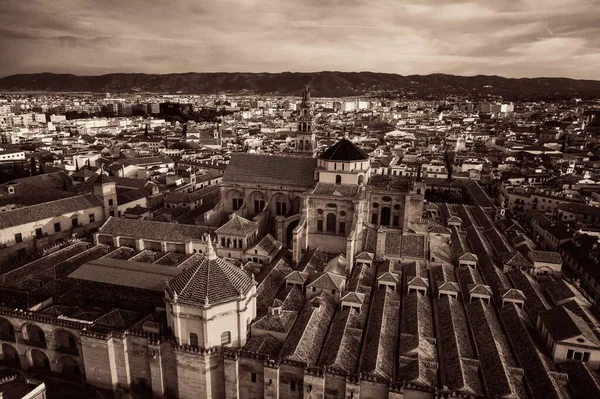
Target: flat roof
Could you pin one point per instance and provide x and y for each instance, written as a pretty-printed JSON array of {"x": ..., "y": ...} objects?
[{"x": 142, "y": 275}]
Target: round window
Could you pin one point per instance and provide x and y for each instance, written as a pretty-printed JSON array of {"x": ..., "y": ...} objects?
[
  {"x": 343, "y": 213},
  {"x": 580, "y": 340},
  {"x": 320, "y": 211},
  {"x": 375, "y": 205},
  {"x": 386, "y": 199},
  {"x": 397, "y": 206}
]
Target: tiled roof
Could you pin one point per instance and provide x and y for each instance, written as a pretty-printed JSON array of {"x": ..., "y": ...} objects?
[
  {"x": 494, "y": 353},
  {"x": 125, "y": 196},
  {"x": 413, "y": 246},
  {"x": 535, "y": 302},
  {"x": 328, "y": 281},
  {"x": 378, "y": 358},
  {"x": 563, "y": 324},
  {"x": 340, "y": 349},
  {"x": 583, "y": 382},
  {"x": 19, "y": 216},
  {"x": 159, "y": 231},
  {"x": 515, "y": 294},
  {"x": 336, "y": 190},
  {"x": 270, "y": 281},
  {"x": 305, "y": 341},
  {"x": 264, "y": 344},
  {"x": 454, "y": 335},
  {"x": 212, "y": 279},
  {"x": 353, "y": 297},
  {"x": 268, "y": 244},
  {"x": 271, "y": 169},
  {"x": 545, "y": 256},
  {"x": 238, "y": 226},
  {"x": 344, "y": 150},
  {"x": 365, "y": 256},
  {"x": 130, "y": 274},
  {"x": 536, "y": 365},
  {"x": 337, "y": 265},
  {"x": 479, "y": 289},
  {"x": 515, "y": 259},
  {"x": 281, "y": 323},
  {"x": 558, "y": 290}
]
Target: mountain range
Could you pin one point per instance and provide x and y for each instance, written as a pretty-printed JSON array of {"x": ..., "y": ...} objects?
[{"x": 323, "y": 84}]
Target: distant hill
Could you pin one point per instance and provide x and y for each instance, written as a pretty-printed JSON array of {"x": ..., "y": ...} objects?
[{"x": 324, "y": 84}]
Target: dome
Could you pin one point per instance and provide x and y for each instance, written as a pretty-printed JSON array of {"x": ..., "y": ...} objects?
[
  {"x": 344, "y": 150},
  {"x": 212, "y": 281}
]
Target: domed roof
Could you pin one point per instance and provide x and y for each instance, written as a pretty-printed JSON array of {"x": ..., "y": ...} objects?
[
  {"x": 344, "y": 150},
  {"x": 210, "y": 281}
]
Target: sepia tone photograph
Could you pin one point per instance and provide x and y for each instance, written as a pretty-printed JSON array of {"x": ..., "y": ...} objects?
[{"x": 318, "y": 199}]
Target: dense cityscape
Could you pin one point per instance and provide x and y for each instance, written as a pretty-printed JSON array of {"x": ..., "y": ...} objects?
[{"x": 245, "y": 246}]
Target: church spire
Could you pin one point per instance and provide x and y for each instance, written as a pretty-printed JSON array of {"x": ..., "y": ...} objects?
[
  {"x": 210, "y": 251},
  {"x": 306, "y": 97}
]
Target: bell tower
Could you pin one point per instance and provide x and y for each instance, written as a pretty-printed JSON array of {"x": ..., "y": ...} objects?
[{"x": 305, "y": 140}]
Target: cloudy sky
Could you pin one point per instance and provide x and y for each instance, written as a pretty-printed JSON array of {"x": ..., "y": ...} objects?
[{"x": 515, "y": 38}]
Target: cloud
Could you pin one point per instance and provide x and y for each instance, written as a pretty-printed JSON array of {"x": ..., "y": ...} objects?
[{"x": 505, "y": 37}]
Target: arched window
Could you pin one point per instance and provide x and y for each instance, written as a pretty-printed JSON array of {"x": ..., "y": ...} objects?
[
  {"x": 281, "y": 205},
  {"x": 36, "y": 335},
  {"x": 338, "y": 179},
  {"x": 193, "y": 339},
  {"x": 361, "y": 179},
  {"x": 385, "y": 216},
  {"x": 226, "y": 338},
  {"x": 7, "y": 331},
  {"x": 331, "y": 223}
]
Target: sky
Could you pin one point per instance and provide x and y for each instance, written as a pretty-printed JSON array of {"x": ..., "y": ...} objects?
[{"x": 513, "y": 38}]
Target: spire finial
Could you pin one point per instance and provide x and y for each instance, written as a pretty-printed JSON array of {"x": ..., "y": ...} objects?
[{"x": 210, "y": 251}]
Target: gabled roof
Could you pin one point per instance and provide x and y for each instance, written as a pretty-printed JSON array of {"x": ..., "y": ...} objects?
[
  {"x": 354, "y": 297},
  {"x": 160, "y": 231},
  {"x": 469, "y": 257},
  {"x": 365, "y": 256},
  {"x": 344, "y": 150},
  {"x": 237, "y": 226},
  {"x": 515, "y": 259},
  {"x": 328, "y": 281},
  {"x": 513, "y": 293},
  {"x": 271, "y": 169},
  {"x": 34, "y": 213},
  {"x": 448, "y": 286},
  {"x": 479, "y": 289},
  {"x": 389, "y": 277},
  {"x": 563, "y": 324},
  {"x": 296, "y": 277},
  {"x": 337, "y": 265},
  {"x": 419, "y": 282},
  {"x": 546, "y": 257}
]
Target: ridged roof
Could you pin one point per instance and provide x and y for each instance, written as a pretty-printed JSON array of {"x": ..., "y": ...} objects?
[
  {"x": 210, "y": 281},
  {"x": 344, "y": 150}
]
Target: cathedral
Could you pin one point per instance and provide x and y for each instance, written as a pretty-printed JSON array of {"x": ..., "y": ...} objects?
[{"x": 270, "y": 297}]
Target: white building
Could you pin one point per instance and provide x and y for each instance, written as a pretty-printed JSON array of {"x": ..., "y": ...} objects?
[{"x": 211, "y": 304}]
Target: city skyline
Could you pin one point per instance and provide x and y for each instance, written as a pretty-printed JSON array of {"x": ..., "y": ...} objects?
[{"x": 507, "y": 38}]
